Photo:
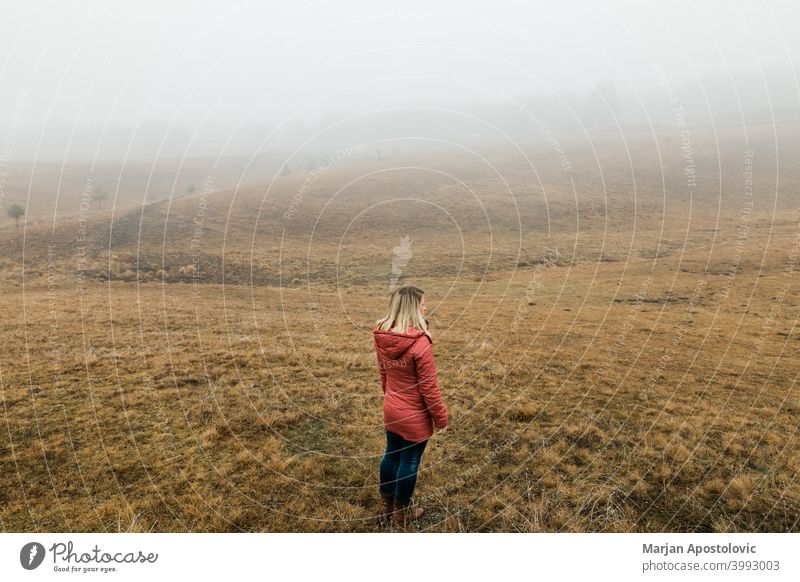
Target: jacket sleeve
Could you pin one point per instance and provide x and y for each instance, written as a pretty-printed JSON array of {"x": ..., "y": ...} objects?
[
  {"x": 381, "y": 369},
  {"x": 428, "y": 382}
]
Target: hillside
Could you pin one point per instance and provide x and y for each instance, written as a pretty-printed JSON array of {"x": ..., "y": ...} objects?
[{"x": 621, "y": 356}]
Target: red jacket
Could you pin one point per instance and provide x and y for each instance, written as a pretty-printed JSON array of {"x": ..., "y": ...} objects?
[{"x": 412, "y": 402}]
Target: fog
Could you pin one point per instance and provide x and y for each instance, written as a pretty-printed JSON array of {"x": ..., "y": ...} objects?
[{"x": 95, "y": 80}]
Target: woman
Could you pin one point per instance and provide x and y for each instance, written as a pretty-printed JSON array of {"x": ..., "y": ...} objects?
[{"x": 413, "y": 408}]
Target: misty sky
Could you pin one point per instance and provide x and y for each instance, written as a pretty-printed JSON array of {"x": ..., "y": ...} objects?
[{"x": 218, "y": 67}]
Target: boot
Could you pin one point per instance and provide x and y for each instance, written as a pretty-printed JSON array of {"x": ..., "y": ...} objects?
[
  {"x": 404, "y": 514},
  {"x": 388, "y": 509}
]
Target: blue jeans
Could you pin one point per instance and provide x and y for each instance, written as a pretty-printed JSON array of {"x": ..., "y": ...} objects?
[{"x": 399, "y": 467}]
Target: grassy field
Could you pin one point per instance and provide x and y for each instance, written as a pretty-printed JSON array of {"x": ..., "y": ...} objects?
[{"x": 618, "y": 348}]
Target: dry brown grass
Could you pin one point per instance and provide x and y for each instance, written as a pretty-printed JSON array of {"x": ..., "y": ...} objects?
[{"x": 142, "y": 405}]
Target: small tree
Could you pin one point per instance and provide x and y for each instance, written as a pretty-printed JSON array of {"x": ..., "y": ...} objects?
[
  {"x": 99, "y": 197},
  {"x": 285, "y": 170},
  {"x": 378, "y": 154},
  {"x": 16, "y": 212},
  {"x": 191, "y": 190}
]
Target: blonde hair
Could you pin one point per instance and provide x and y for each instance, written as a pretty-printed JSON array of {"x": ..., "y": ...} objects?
[{"x": 404, "y": 305}]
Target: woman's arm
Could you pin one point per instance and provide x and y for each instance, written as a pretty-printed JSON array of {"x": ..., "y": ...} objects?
[
  {"x": 381, "y": 369},
  {"x": 428, "y": 382}
]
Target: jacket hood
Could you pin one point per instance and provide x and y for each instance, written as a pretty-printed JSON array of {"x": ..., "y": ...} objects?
[{"x": 393, "y": 345}]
